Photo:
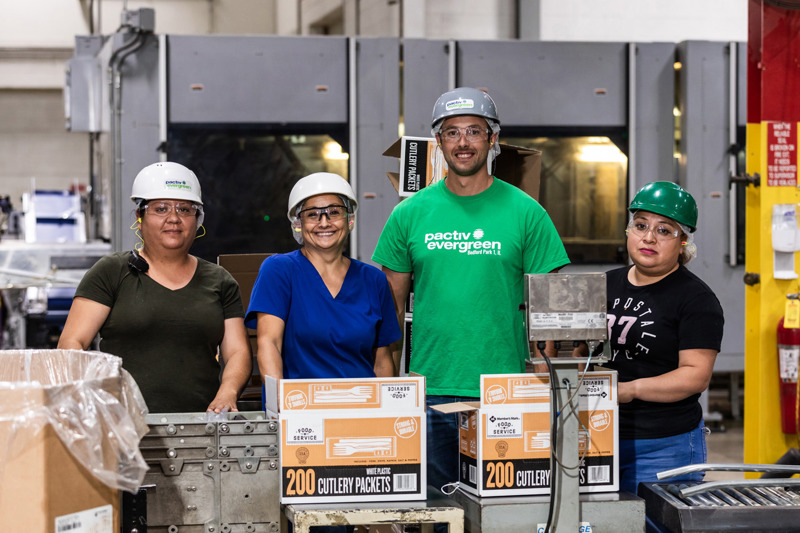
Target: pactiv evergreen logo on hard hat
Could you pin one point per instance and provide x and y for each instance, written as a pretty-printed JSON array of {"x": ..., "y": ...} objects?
[
  {"x": 461, "y": 103},
  {"x": 177, "y": 184}
]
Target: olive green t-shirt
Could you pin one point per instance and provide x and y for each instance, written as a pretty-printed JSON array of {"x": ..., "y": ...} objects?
[{"x": 167, "y": 339}]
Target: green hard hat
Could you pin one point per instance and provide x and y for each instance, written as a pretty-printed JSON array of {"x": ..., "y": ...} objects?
[{"x": 668, "y": 199}]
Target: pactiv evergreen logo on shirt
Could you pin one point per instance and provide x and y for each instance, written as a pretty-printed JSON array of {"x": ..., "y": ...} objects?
[{"x": 470, "y": 243}]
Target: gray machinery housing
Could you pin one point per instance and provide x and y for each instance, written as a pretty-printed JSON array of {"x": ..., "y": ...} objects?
[
  {"x": 208, "y": 475},
  {"x": 198, "y": 100}
]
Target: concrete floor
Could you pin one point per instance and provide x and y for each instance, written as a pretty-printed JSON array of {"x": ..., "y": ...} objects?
[
  {"x": 725, "y": 443},
  {"x": 726, "y": 447}
]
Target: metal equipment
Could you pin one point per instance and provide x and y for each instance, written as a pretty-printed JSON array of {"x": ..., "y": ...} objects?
[
  {"x": 37, "y": 283},
  {"x": 752, "y": 505},
  {"x": 208, "y": 475},
  {"x": 613, "y": 512},
  {"x": 561, "y": 308},
  {"x": 436, "y": 509},
  {"x": 564, "y": 307}
]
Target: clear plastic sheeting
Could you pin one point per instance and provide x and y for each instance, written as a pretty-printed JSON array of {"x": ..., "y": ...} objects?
[
  {"x": 24, "y": 264},
  {"x": 90, "y": 401}
]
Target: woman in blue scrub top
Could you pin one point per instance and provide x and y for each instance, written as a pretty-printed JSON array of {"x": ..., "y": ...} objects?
[{"x": 317, "y": 312}]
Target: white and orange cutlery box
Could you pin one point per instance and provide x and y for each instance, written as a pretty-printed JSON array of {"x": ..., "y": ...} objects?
[
  {"x": 350, "y": 440},
  {"x": 505, "y": 439}
]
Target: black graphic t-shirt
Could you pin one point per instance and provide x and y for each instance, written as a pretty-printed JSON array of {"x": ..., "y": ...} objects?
[{"x": 647, "y": 327}]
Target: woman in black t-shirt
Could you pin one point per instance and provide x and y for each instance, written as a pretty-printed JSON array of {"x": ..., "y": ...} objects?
[{"x": 665, "y": 329}]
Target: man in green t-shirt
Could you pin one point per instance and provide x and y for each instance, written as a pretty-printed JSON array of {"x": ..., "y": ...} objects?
[{"x": 468, "y": 240}]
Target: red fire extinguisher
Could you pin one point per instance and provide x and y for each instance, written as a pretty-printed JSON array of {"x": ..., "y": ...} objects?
[{"x": 788, "y": 355}]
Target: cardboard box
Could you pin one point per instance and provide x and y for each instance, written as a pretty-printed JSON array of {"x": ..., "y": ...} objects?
[
  {"x": 505, "y": 439},
  {"x": 244, "y": 269},
  {"x": 422, "y": 163},
  {"x": 43, "y": 486},
  {"x": 350, "y": 440}
]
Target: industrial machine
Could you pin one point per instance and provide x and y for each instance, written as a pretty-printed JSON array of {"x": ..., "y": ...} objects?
[
  {"x": 754, "y": 505},
  {"x": 43, "y": 256},
  {"x": 566, "y": 309},
  {"x": 208, "y": 473},
  {"x": 37, "y": 283}
]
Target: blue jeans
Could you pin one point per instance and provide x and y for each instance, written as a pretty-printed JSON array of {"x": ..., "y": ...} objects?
[
  {"x": 442, "y": 444},
  {"x": 641, "y": 459}
]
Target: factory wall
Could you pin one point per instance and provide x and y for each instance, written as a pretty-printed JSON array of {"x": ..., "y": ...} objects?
[{"x": 37, "y": 38}]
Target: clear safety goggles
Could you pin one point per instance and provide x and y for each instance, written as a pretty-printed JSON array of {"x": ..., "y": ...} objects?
[
  {"x": 472, "y": 133},
  {"x": 182, "y": 209},
  {"x": 315, "y": 214},
  {"x": 661, "y": 232}
]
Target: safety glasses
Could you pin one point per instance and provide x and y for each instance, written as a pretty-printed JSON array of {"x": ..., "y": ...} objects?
[{"x": 315, "y": 214}]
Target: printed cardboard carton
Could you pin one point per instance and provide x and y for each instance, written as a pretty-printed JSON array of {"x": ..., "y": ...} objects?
[
  {"x": 504, "y": 441},
  {"x": 345, "y": 440}
]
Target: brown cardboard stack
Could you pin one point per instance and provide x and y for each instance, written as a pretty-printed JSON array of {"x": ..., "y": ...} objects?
[{"x": 65, "y": 439}]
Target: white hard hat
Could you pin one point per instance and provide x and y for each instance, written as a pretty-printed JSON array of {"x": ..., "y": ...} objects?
[
  {"x": 166, "y": 180},
  {"x": 320, "y": 183}
]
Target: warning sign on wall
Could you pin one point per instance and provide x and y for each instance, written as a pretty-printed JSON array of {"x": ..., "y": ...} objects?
[{"x": 781, "y": 154}]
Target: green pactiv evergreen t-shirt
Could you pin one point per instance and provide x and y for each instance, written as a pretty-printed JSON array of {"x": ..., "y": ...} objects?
[{"x": 468, "y": 255}]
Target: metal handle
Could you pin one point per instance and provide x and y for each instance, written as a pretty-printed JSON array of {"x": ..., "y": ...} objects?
[
  {"x": 727, "y": 467},
  {"x": 737, "y": 483},
  {"x": 747, "y": 179}
]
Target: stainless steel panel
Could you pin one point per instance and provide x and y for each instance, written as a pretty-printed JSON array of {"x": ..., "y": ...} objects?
[
  {"x": 654, "y": 122},
  {"x": 83, "y": 91},
  {"x": 138, "y": 124},
  {"x": 246, "y": 80},
  {"x": 741, "y": 84},
  {"x": 248, "y": 497},
  {"x": 182, "y": 500},
  {"x": 611, "y": 512},
  {"x": 378, "y": 111},
  {"x": 424, "y": 80},
  {"x": 549, "y": 83},
  {"x": 565, "y": 307},
  {"x": 704, "y": 172},
  {"x": 212, "y": 473}
]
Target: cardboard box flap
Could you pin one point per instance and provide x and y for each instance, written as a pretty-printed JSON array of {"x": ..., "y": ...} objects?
[
  {"x": 521, "y": 167},
  {"x": 336, "y": 394},
  {"x": 517, "y": 165},
  {"x": 271, "y": 396},
  {"x": 456, "y": 407},
  {"x": 394, "y": 178},
  {"x": 394, "y": 149}
]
